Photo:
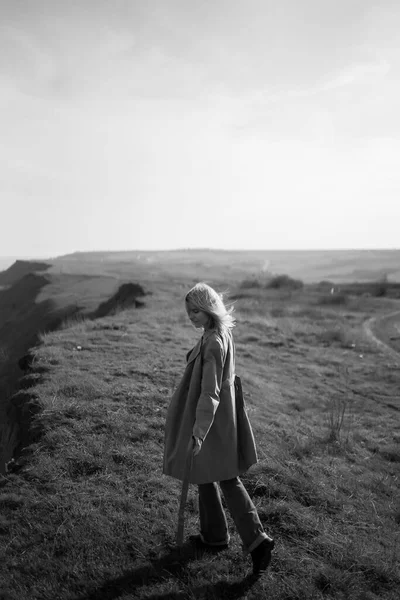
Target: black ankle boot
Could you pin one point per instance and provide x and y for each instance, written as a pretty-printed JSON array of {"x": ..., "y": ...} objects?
[{"x": 261, "y": 556}]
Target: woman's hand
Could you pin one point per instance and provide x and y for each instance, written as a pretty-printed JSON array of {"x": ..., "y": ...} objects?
[{"x": 197, "y": 442}]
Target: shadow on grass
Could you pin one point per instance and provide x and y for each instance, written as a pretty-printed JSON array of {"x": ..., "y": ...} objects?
[{"x": 171, "y": 565}]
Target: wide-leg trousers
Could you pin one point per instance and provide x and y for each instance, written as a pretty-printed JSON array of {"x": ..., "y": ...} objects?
[{"x": 213, "y": 523}]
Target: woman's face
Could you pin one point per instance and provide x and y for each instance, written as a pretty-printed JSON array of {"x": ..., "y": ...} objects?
[{"x": 197, "y": 316}]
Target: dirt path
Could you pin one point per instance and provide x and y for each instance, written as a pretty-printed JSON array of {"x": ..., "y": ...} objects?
[{"x": 385, "y": 332}]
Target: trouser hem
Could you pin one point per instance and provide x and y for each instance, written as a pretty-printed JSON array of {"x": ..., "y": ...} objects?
[{"x": 257, "y": 542}]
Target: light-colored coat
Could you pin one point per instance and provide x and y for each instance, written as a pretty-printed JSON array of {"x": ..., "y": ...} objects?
[{"x": 203, "y": 405}]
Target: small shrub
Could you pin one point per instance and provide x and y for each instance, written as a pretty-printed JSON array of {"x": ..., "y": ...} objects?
[{"x": 284, "y": 282}]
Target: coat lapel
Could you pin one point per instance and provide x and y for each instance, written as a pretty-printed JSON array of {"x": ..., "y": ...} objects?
[{"x": 192, "y": 354}]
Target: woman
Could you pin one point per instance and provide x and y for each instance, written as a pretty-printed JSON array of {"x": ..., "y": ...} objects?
[{"x": 202, "y": 420}]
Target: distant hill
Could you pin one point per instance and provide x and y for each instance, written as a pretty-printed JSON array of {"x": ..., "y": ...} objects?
[
  {"x": 19, "y": 269},
  {"x": 309, "y": 265}
]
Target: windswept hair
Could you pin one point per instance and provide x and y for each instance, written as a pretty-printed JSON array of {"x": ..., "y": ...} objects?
[{"x": 206, "y": 299}]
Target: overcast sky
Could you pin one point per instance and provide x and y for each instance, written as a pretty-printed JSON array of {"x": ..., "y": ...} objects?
[{"x": 157, "y": 124}]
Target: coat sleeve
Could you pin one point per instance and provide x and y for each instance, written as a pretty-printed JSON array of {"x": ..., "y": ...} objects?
[{"x": 213, "y": 363}]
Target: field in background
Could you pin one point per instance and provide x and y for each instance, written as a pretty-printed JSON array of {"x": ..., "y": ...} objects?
[
  {"x": 86, "y": 512},
  {"x": 310, "y": 266}
]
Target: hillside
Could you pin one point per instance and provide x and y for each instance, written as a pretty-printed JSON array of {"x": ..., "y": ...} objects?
[
  {"x": 38, "y": 298},
  {"x": 20, "y": 269},
  {"x": 87, "y": 514}
]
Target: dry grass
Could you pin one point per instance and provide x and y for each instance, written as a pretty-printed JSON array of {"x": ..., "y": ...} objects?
[{"x": 88, "y": 514}]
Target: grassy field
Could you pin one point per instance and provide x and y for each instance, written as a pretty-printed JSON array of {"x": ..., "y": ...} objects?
[
  {"x": 308, "y": 265},
  {"x": 87, "y": 514}
]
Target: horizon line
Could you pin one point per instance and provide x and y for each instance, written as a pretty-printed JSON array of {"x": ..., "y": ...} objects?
[{"x": 194, "y": 249}]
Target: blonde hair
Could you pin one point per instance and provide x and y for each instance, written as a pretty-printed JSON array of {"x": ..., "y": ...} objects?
[{"x": 206, "y": 299}]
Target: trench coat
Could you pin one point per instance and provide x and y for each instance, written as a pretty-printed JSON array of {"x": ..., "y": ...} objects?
[{"x": 203, "y": 405}]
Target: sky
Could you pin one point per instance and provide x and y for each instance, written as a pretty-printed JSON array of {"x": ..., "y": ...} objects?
[{"x": 159, "y": 124}]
